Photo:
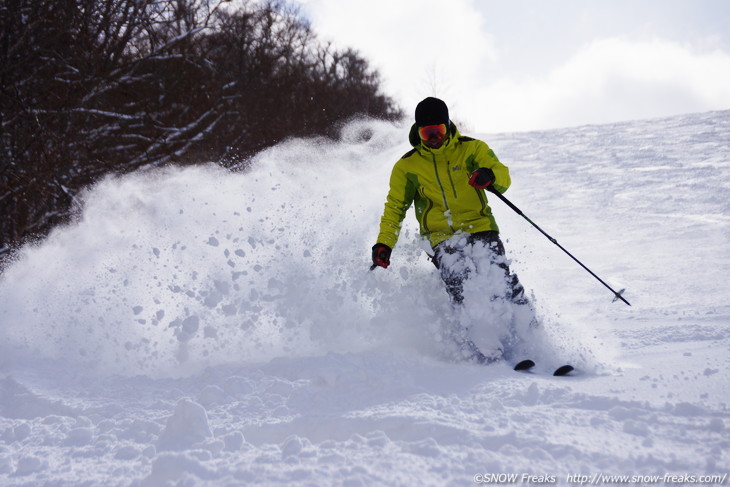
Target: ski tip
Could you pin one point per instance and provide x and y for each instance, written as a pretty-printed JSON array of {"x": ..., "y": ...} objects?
[
  {"x": 525, "y": 365},
  {"x": 564, "y": 370}
]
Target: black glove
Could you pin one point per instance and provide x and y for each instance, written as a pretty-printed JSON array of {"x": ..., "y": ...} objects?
[
  {"x": 481, "y": 178},
  {"x": 381, "y": 256}
]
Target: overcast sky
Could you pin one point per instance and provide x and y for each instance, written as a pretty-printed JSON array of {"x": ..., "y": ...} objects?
[{"x": 512, "y": 65}]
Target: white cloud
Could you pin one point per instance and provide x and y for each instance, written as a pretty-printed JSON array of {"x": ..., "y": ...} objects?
[
  {"x": 517, "y": 68},
  {"x": 420, "y": 47},
  {"x": 606, "y": 81}
]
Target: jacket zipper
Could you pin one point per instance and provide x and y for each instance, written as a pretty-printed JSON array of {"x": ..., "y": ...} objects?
[
  {"x": 443, "y": 192},
  {"x": 483, "y": 200}
]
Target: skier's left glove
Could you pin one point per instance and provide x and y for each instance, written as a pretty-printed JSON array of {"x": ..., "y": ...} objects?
[
  {"x": 481, "y": 178},
  {"x": 381, "y": 256}
]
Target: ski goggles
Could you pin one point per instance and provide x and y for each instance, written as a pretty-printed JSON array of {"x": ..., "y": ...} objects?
[{"x": 428, "y": 132}]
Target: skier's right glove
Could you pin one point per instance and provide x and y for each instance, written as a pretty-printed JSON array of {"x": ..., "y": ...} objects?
[
  {"x": 481, "y": 178},
  {"x": 381, "y": 256}
]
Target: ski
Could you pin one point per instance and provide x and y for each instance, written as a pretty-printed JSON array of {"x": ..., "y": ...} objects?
[
  {"x": 528, "y": 364},
  {"x": 564, "y": 370},
  {"x": 524, "y": 365}
]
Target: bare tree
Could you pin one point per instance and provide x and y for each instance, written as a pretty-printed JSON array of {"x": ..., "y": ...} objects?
[{"x": 91, "y": 87}]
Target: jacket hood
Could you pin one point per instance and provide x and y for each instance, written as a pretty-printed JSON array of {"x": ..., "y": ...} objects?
[{"x": 415, "y": 140}]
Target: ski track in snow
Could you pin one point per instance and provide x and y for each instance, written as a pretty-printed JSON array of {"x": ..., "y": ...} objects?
[{"x": 195, "y": 327}]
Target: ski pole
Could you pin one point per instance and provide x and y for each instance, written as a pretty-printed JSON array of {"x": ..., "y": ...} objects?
[{"x": 616, "y": 294}]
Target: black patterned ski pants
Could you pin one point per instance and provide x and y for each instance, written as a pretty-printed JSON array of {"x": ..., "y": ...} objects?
[{"x": 454, "y": 252}]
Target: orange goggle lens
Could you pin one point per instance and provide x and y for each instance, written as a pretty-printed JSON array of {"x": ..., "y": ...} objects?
[{"x": 432, "y": 132}]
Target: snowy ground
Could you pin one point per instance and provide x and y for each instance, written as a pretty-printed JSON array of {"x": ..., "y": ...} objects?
[{"x": 195, "y": 327}]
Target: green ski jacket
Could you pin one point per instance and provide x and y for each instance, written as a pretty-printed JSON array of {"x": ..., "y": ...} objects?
[{"x": 436, "y": 181}]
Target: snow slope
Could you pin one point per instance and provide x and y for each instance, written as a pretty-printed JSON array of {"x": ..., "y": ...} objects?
[{"x": 201, "y": 328}]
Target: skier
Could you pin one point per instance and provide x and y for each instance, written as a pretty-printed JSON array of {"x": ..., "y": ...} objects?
[{"x": 445, "y": 175}]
